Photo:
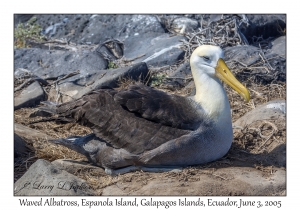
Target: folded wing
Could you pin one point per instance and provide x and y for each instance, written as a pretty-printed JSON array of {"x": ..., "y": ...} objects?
[{"x": 138, "y": 119}]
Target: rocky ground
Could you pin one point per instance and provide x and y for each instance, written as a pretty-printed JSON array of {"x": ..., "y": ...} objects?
[{"x": 66, "y": 56}]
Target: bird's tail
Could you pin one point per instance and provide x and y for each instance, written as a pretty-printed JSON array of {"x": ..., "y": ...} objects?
[
  {"x": 75, "y": 142},
  {"x": 97, "y": 151},
  {"x": 68, "y": 111}
]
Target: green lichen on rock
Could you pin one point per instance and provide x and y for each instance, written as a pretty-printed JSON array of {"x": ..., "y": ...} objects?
[
  {"x": 157, "y": 79},
  {"x": 112, "y": 65},
  {"x": 24, "y": 32}
]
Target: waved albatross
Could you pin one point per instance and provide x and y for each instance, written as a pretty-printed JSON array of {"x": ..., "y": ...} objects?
[{"x": 144, "y": 128}]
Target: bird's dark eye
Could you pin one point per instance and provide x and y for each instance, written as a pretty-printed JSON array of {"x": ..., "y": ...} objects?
[{"x": 205, "y": 58}]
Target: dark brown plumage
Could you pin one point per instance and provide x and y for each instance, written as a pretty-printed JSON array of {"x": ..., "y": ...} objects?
[{"x": 138, "y": 119}]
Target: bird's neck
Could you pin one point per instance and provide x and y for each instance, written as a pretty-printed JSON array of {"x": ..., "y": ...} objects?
[{"x": 212, "y": 97}]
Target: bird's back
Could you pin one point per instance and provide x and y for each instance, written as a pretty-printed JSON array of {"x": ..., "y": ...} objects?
[{"x": 138, "y": 119}]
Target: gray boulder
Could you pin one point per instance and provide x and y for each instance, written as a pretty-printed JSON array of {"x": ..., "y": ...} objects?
[
  {"x": 73, "y": 89},
  {"x": 29, "y": 133},
  {"x": 60, "y": 26},
  {"x": 55, "y": 63},
  {"x": 278, "y": 46},
  {"x": 245, "y": 54},
  {"x": 272, "y": 68},
  {"x": 103, "y": 27},
  {"x": 21, "y": 18},
  {"x": 30, "y": 96},
  {"x": 154, "y": 50},
  {"x": 97, "y": 28},
  {"x": 272, "y": 114},
  {"x": 272, "y": 110},
  {"x": 20, "y": 146},
  {"x": 178, "y": 79},
  {"x": 43, "y": 178},
  {"x": 266, "y": 26},
  {"x": 276, "y": 56}
]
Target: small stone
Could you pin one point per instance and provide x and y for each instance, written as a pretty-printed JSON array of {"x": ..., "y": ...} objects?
[
  {"x": 20, "y": 146},
  {"x": 30, "y": 96},
  {"x": 278, "y": 46},
  {"x": 271, "y": 110},
  {"x": 29, "y": 133}
]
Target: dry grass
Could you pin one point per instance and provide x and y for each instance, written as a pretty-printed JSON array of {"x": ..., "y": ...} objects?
[
  {"x": 44, "y": 149},
  {"x": 259, "y": 94}
]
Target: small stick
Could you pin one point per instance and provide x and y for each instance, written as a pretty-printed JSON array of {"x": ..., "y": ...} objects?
[
  {"x": 224, "y": 26},
  {"x": 66, "y": 76},
  {"x": 264, "y": 59},
  {"x": 57, "y": 92},
  {"x": 197, "y": 34},
  {"x": 31, "y": 77},
  {"x": 267, "y": 137},
  {"x": 130, "y": 60},
  {"x": 30, "y": 80},
  {"x": 257, "y": 93},
  {"x": 241, "y": 63}
]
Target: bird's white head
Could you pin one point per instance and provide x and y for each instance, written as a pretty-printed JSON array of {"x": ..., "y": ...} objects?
[{"x": 207, "y": 60}]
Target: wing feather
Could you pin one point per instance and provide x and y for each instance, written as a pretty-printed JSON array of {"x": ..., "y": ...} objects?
[
  {"x": 167, "y": 109},
  {"x": 138, "y": 119}
]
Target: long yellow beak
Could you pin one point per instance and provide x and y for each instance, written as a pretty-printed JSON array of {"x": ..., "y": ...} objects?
[{"x": 224, "y": 74}]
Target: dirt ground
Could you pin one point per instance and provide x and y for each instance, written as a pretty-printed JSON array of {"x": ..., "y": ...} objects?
[{"x": 253, "y": 166}]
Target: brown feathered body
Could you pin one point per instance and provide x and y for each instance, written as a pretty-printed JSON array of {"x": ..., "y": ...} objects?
[{"x": 141, "y": 126}]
